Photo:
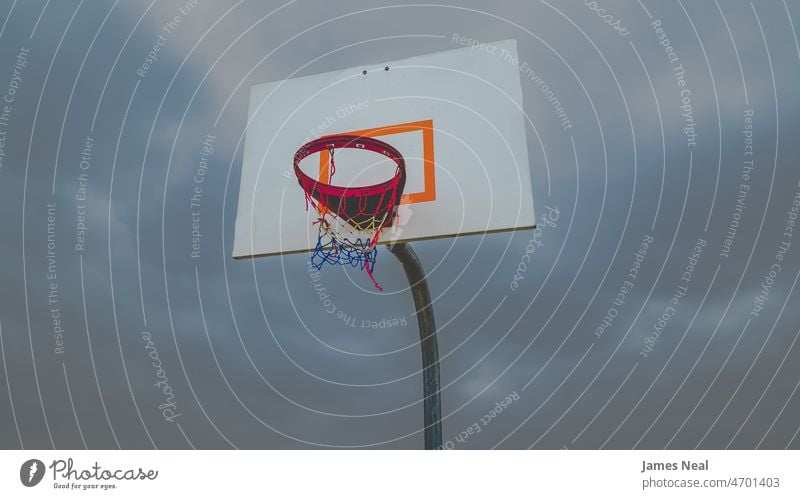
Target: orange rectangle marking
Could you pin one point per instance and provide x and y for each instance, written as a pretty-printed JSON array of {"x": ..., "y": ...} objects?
[{"x": 428, "y": 192}]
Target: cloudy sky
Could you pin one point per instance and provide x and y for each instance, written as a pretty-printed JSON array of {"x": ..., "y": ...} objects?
[{"x": 112, "y": 336}]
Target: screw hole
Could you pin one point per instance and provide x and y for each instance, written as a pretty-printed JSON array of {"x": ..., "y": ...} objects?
[
  {"x": 364, "y": 72},
  {"x": 386, "y": 68}
]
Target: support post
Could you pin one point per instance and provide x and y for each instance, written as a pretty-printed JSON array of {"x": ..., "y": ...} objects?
[{"x": 432, "y": 404}]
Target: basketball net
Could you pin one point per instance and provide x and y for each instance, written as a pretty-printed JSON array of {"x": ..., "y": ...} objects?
[{"x": 350, "y": 218}]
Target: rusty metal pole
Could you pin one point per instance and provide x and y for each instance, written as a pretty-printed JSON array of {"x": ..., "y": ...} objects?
[{"x": 432, "y": 404}]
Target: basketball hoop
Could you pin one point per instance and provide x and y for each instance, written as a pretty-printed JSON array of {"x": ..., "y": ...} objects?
[{"x": 350, "y": 218}]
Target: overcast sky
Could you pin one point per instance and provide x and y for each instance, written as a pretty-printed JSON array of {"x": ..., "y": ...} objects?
[{"x": 250, "y": 358}]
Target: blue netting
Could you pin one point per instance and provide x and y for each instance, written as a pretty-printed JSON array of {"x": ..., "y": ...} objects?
[
  {"x": 338, "y": 249},
  {"x": 354, "y": 254}
]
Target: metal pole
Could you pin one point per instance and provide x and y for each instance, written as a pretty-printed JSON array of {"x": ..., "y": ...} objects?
[{"x": 430, "y": 348}]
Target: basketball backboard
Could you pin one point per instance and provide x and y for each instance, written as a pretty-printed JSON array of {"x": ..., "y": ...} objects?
[{"x": 455, "y": 116}]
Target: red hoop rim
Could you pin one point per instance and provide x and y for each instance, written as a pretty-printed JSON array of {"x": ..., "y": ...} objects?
[{"x": 348, "y": 142}]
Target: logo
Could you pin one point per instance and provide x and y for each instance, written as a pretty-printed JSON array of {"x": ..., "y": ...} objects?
[{"x": 31, "y": 472}]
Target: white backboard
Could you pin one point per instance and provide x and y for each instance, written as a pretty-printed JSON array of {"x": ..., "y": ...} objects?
[{"x": 455, "y": 116}]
